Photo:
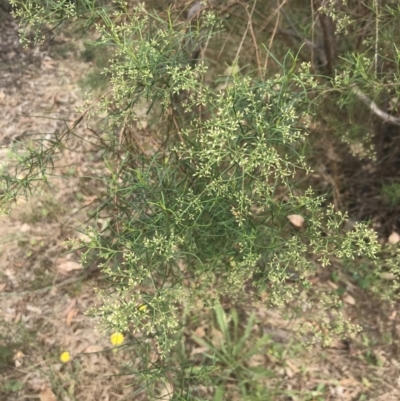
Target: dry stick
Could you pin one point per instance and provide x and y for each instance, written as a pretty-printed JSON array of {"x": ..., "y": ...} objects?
[
  {"x": 177, "y": 129},
  {"x": 376, "y": 58},
  {"x": 250, "y": 16},
  {"x": 312, "y": 34},
  {"x": 374, "y": 107},
  {"x": 277, "y": 11},
  {"x": 193, "y": 14},
  {"x": 120, "y": 139},
  {"x": 195, "y": 11},
  {"x": 314, "y": 49},
  {"x": 121, "y": 131},
  {"x": 80, "y": 118},
  {"x": 249, "y": 27},
  {"x": 240, "y": 46},
  {"x": 231, "y": 4},
  {"x": 354, "y": 88},
  {"x": 223, "y": 46},
  {"x": 290, "y": 22},
  {"x": 325, "y": 56},
  {"x": 328, "y": 31}
]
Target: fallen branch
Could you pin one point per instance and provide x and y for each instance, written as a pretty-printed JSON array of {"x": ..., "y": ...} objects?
[{"x": 374, "y": 107}]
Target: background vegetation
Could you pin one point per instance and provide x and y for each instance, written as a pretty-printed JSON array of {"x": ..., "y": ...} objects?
[{"x": 250, "y": 153}]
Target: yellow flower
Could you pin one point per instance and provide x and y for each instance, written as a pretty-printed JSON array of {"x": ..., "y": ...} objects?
[
  {"x": 143, "y": 308},
  {"x": 65, "y": 357},
  {"x": 116, "y": 338}
]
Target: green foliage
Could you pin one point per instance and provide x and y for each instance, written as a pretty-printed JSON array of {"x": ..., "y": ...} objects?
[
  {"x": 98, "y": 55},
  {"x": 12, "y": 339},
  {"x": 232, "y": 352},
  {"x": 37, "y": 15},
  {"x": 392, "y": 193},
  {"x": 13, "y": 386},
  {"x": 6, "y": 355},
  {"x": 203, "y": 217}
]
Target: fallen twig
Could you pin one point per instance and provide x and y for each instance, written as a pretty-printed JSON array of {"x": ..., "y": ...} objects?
[{"x": 374, "y": 107}]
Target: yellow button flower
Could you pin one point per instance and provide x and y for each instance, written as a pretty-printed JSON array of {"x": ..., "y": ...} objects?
[
  {"x": 143, "y": 308},
  {"x": 65, "y": 357},
  {"x": 117, "y": 338}
]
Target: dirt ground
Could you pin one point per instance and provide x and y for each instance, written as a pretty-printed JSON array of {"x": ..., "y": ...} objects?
[{"x": 45, "y": 292}]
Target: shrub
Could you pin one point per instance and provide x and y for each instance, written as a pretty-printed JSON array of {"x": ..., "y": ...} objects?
[{"x": 217, "y": 209}]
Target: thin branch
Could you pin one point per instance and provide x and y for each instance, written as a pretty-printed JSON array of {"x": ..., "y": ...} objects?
[
  {"x": 329, "y": 39},
  {"x": 249, "y": 27},
  {"x": 376, "y": 58},
  {"x": 386, "y": 117},
  {"x": 277, "y": 11}
]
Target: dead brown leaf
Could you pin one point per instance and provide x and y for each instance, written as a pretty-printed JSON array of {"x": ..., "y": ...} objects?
[
  {"x": 17, "y": 318},
  {"x": 296, "y": 220},
  {"x": 88, "y": 200},
  {"x": 332, "y": 285},
  {"x": 199, "y": 350},
  {"x": 217, "y": 337},
  {"x": 293, "y": 367},
  {"x": 200, "y": 332},
  {"x": 48, "y": 63},
  {"x": 349, "y": 299},
  {"x": 166, "y": 391},
  {"x": 70, "y": 306},
  {"x": 33, "y": 309},
  {"x": 71, "y": 316},
  {"x": 18, "y": 355},
  {"x": 289, "y": 373},
  {"x": 93, "y": 348},
  {"x": 387, "y": 276},
  {"x": 394, "y": 238},
  {"x": 47, "y": 395},
  {"x": 83, "y": 237},
  {"x": 17, "y": 358},
  {"x": 25, "y": 228},
  {"x": 65, "y": 266},
  {"x": 256, "y": 360}
]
